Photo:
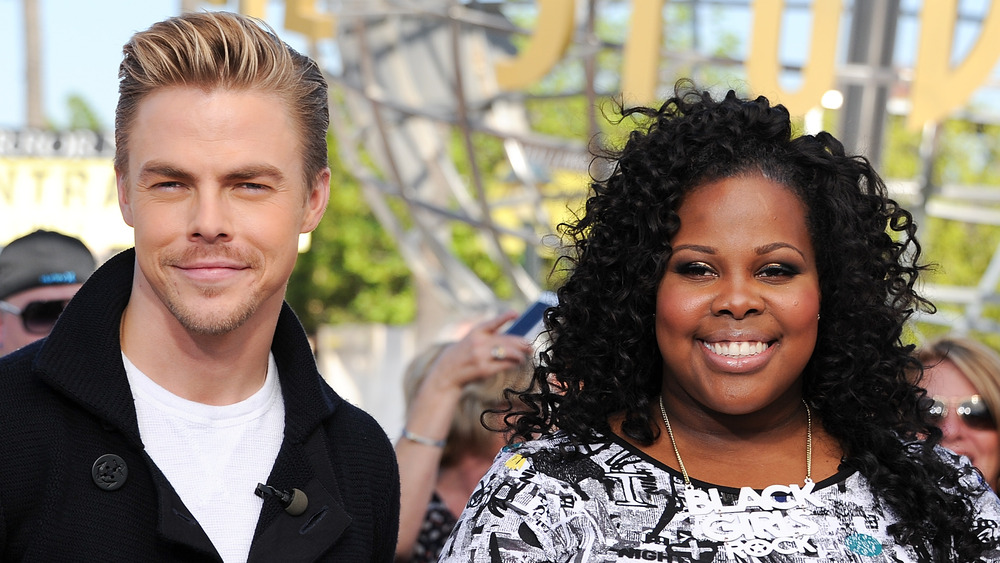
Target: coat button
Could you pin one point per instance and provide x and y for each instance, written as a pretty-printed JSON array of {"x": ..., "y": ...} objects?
[{"x": 109, "y": 472}]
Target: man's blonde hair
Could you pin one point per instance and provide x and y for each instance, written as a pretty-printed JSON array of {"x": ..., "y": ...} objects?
[{"x": 223, "y": 50}]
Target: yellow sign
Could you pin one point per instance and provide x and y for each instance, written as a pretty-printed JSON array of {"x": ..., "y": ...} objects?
[
  {"x": 937, "y": 90},
  {"x": 819, "y": 73},
  {"x": 76, "y": 196},
  {"x": 937, "y": 87}
]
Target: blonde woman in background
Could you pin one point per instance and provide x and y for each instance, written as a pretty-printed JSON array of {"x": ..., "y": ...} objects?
[
  {"x": 444, "y": 449},
  {"x": 962, "y": 378}
]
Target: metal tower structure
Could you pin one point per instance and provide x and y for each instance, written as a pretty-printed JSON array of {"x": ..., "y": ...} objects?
[{"x": 415, "y": 87}]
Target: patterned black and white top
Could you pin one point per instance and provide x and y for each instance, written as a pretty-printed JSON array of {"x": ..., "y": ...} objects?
[{"x": 551, "y": 500}]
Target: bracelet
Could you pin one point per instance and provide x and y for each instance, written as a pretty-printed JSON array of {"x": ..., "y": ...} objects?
[{"x": 422, "y": 439}]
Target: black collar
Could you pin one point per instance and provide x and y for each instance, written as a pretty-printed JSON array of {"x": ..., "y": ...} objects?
[{"x": 82, "y": 357}]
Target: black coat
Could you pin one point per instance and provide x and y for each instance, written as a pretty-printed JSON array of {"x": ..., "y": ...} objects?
[{"x": 65, "y": 402}]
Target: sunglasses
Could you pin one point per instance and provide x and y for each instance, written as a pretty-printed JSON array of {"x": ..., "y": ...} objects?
[
  {"x": 971, "y": 410},
  {"x": 38, "y": 317}
]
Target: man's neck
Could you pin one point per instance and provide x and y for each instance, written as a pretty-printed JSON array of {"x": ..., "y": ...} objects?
[{"x": 211, "y": 369}]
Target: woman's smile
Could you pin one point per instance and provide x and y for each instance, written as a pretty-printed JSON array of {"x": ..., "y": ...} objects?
[{"x": 740, "y": 296}]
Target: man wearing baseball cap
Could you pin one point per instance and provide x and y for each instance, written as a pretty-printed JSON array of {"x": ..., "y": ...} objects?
[{"x": 39, "y": 273}]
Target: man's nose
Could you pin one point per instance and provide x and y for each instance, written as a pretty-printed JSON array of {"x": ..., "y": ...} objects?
[{"x": 210, "y": 216}]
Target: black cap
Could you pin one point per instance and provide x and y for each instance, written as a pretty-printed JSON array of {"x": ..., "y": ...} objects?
[{"x": 43, "y": 258}]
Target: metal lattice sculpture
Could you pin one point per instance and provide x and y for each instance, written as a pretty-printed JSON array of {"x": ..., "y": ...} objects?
[{"x": 417, "y": 76}]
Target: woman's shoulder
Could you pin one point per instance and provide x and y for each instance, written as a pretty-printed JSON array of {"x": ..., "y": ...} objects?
[
  {"x": 560, "y": 442},
  {"x": 561, "y": 447},
  {"x": 969, "y": 476},
  {"x": 554, "y": 460}
]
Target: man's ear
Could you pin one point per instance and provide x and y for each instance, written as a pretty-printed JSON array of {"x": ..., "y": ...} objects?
[
  {"x": 319, "y": 196},
  {"x": 123, "y": 200}
]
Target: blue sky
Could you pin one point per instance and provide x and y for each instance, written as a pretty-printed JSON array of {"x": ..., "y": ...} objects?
[
  {"x": 82, "y": 42},
  {"x": 81, "y": 49}
]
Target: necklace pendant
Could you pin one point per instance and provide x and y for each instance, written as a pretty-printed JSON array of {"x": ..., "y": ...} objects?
[{"x": 680, "y": 462}]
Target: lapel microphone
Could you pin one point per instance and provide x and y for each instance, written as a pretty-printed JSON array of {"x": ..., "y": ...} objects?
[{"x": 294, "y": 503}]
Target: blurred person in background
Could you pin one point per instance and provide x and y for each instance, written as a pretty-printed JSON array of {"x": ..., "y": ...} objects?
[
  {"x": 39, "y": 273},
  {"x": 445, "y": 449},
  {"x": 962, "y": 379}
]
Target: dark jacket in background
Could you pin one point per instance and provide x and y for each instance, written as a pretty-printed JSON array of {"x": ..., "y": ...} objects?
[{"x": 65, "y": 402}]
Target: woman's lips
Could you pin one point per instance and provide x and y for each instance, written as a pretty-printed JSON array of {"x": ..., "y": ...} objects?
[
  {"x": 737, "y": 349},
  {"x": 738, "y": 356}
]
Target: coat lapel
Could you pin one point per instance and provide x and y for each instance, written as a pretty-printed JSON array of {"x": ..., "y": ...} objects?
[{"x": 306, "y": 537}]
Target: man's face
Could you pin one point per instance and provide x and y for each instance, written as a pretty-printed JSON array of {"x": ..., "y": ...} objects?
[
  {"x": 214, "y": 190},
  {"x": 13, "y": 332}
]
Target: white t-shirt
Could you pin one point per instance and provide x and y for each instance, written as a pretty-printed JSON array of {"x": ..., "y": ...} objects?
[
  {"x": 213, "y": 456},
  {"x": 604, "y": 500}
]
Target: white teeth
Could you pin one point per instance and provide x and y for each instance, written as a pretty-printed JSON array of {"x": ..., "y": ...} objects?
[{"x": 737, "y": 349}]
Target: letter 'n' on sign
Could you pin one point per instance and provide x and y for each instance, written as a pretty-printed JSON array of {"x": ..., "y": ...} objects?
[
  {"x": 937, "y": 87},
  {"x": 764, "y": 63},
  {"x": 546, "y": 46},
  {"x": 641, "y": 55}
]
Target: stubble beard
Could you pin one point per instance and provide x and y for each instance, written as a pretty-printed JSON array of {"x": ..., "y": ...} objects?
[
  {"x": 199, "y": 322},
  {"x": 215, "y": 325}
]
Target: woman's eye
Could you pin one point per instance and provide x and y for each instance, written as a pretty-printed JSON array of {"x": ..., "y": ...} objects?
[
  {"x": 778, "y": 270},
  {"x": 695, "y": 269}
]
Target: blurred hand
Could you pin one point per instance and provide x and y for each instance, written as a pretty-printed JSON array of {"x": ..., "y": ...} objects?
[{"x": 482, "y": 353}]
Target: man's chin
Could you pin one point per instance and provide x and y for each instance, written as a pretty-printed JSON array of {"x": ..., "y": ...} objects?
[{"x": 206, "y": 323}]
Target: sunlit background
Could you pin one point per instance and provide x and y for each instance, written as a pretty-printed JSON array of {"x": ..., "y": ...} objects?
[{"x": 462, "y": 134}]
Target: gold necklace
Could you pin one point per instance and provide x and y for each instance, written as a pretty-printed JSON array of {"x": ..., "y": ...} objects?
[{"x": 680, "y": 462}]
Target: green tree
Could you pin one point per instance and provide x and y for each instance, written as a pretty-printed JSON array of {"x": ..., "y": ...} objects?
[
  {"x": 82, "y": 115},
  {"x": 352, "y": 271},
  {"x": 959, "y": 252}
]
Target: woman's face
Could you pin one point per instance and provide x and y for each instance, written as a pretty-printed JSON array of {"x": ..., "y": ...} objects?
[
  {"x": 944, "y": 381},
  {"x": 736, "y": 310}
]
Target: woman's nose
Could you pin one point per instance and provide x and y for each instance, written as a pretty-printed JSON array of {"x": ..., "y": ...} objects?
[
  {"x": 950, "y": 426},
  {"x": 738, "y": 298}
]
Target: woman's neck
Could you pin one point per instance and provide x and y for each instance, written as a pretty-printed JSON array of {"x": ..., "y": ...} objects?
[{"x": 734, "y": 459}]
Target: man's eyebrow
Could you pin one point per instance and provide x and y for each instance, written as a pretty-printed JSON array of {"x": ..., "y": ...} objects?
[
  {"x": 165, "y": 170},
  {"x": 240, "y": 174},
  {"x": 256, "y": 171}
]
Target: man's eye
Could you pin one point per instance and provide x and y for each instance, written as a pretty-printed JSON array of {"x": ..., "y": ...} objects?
[
  {"x": 252, "y": 186},
  {"x": 167, "y": 185}
]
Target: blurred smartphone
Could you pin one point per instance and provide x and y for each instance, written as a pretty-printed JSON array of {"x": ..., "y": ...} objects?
[{"x": 530, "y": 323}]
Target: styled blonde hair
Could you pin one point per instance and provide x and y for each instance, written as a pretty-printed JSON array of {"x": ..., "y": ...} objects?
[
  {"x": 223, "y": 50},
  {"x": 975, "y": 360},
  {"x": 466, "y": 434}
]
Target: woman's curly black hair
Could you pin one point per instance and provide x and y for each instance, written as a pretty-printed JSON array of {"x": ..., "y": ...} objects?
[{"x": 603, "y": 358}]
